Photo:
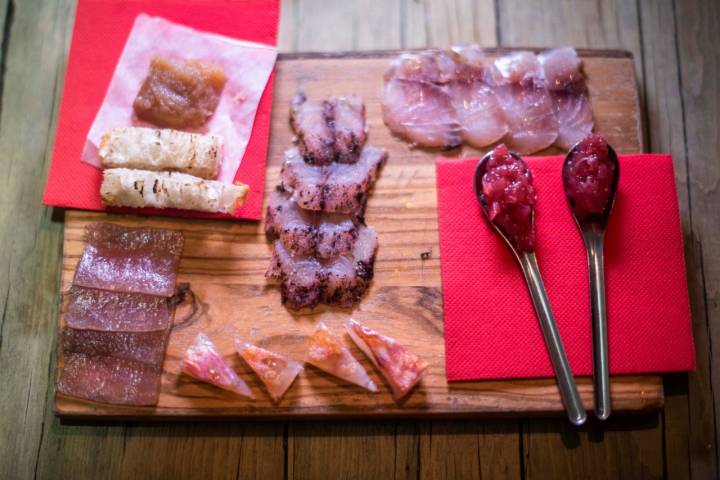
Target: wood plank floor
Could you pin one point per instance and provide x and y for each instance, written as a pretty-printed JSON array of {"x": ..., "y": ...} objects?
[{"x": 675, "y": 48}]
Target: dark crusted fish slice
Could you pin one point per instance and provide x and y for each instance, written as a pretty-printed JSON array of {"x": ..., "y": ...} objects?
[
  {"x": 121, "y": 259},
  {"x": 338, "y": 187},
  {"x": 109, "y": 379},
  {"x": 341, "y": 281},
  {"x": 93, "y": 309},
  {"x": 302, "y": 277},
  {"x": 347, "y": 185},
  {"x": 347, "y": 277},
  {"x": 305, "y": 232},
  {"x": 312, "y": 122},
  {"x": 350, "y": 129},
  {"x": 144, "y": 347}
]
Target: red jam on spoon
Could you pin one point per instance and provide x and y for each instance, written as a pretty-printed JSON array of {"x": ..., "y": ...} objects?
[
  {"x": 588, "y": 175},
  {"x": 510, "y": 197}
]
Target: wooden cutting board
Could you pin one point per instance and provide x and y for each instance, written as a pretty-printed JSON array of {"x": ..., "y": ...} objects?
[{"x": 224, "y": 261}]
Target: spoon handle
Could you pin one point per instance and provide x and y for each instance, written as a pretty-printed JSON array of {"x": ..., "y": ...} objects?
[
  {"x": 566, "y": 382},
  {"x": 594, "y": 241}
]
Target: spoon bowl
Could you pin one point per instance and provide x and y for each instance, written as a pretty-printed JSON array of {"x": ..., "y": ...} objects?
[
  {"x": 592, "y": 228},
  {"x": 528, "y": 262}
]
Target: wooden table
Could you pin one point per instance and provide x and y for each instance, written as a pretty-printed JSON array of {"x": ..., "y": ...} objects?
[{"x": 674, "y": 44}]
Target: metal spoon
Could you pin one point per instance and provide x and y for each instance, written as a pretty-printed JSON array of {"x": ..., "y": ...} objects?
[
  {"x": 566, "y": 382},
  {"x": 592, "y": 228}
]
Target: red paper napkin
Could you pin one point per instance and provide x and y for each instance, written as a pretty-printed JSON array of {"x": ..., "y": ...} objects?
[
  {"x": 101, "y": 29},
  {"x": 490, "y": 326}
]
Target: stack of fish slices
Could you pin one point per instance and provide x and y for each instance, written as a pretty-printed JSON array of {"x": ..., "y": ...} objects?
[{"x": 323, "y": 251}]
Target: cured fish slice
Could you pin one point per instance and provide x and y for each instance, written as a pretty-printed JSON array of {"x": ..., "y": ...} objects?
[
  {"x": 307, "y": 281},
  {"x": 131, "y": 260},
  {"x": 350, "y": 129},
  {"x": 109, "y": 379},
  {"x": 338, "y": 188},
  {"x": 276, "y": 371},
  {"x": 420, "y": 112},
  {"x": 302, "y": 277},
  {"x": 144, "y": 347},
  {"x": 305, "y": 232},
  {"x": 348, "y": 277},
  {"x": 482, "y": 120},
  {"x": 93, "y": 309},
  {"x": 203, "y": 362},
  {"x": 565, "y": 80},
  {"x": 529, "y": 110},
  {"x": 401, "y": 369},
  {"x": 347, "y": 185},
  {"x": 305, "y": 181},
  {"x": 294, "y": 226},
  {"x": 312, "y": 122},
  {"x": 327, "y": 353}
]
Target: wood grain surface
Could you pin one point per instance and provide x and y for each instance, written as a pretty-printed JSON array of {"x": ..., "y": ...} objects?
[
  {"x": 225, "y": 263},
  {"x": 675, "y": 49}
]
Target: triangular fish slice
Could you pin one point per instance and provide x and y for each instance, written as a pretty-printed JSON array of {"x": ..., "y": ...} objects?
[
  {"x": 276, "y": 371},
  {"x": 401, "y": 369},
  {"x": 327, "y": 353},
  {"x": 203, "y": 362}
]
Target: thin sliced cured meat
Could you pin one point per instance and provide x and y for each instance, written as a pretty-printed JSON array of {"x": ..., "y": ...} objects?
[
  {"x": 529, "y": 110},
  {"x": 144, "y": 347},
  {"x": 349, "y": 126},
  {"x": 564, "y": 78},
  {"x": 109, "y": 379},
  {"x": 307, "y": 281},
  {"x": 306, "y": 232},
  {"x": 421, "y": 112},
  {"x": 328, "y": 353},
  {"x": 122, "y": 259},
  {"x": 277, "y": 372},
  {"x": 93, "y": 309},
  {"x": 203, "y": 362},
  {"x": 338, "y": 187},
  {"x": 312, "y": 122},
  {"x": 401, "y": 369}
]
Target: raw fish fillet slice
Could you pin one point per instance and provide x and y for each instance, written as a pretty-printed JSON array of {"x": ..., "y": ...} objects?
[
  {"x": 349, "y": 126},
  {"x": 276, "y": 371},
  {"x": 347, "y": 185},
  {"x": 574, "y": 113},
  {"x": 109, "y": 379},
  {"x": 565, "y": 80},
  {"x": 144, "y": 347},
  {"x": 305, "y": 232},
  {"x": 93, "y": 309},
  {"x": 131, "y": 260},
  {"x": 203, "y": 362},
  {"x": 482, "y": 120},
  {"x": 520, "y": 87},
  {"x": 327, "y": 353},
  {"x": 400, "y": 368},
  {"x": 337, "y": 188},
  {"x": 312, "y": 122},
  {"x": 430, "y": 67},
  {"x": 421, "y": 112}
]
